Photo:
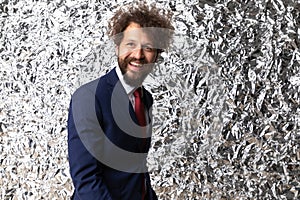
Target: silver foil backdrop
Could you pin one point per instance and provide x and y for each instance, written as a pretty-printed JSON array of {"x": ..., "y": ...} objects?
[{"x": 227, "y": 96}]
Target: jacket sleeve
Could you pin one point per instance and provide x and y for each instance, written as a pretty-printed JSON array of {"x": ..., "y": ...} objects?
[{"x": 86, "y": 171}]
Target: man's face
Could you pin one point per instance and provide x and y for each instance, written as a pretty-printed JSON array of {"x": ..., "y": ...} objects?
[{"x": 136, "y": 54}]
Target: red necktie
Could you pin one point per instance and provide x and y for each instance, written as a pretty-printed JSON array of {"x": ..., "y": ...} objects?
[
  {"x": 140, "y": 115},
  {"x": 139, "y": 107}
]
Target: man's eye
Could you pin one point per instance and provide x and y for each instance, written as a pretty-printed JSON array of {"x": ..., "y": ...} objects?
[
  {"x": 148, "y": 48},
  {"x": 130, "y": 44}
]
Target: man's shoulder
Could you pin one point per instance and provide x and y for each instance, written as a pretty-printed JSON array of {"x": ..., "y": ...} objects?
[
  {"x": 146, "y": 91},
  {"x": 86, "y": 90},
  {"x": 148, "y": 96},
  {"x": 93, "y": 85}
]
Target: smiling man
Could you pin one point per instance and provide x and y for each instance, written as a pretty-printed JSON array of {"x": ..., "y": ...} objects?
[
  {"x": 136, "y": 54},
  {"x": 109, "y": 124}
]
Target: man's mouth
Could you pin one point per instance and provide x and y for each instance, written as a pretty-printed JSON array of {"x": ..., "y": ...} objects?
[{"x": 136, "y": 64}]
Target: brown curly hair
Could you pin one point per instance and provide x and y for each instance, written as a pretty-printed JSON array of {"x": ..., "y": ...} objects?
[{"x": 146, "y": 16}]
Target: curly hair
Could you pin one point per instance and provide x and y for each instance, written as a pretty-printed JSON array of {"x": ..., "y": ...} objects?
[{"x": 146, "y": 16}]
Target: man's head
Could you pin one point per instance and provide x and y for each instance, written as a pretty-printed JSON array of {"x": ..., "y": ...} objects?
[{"x": 140, "y": 33}]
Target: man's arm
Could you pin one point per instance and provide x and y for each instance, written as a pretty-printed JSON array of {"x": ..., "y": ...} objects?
[{"x": 86, "y": 171}]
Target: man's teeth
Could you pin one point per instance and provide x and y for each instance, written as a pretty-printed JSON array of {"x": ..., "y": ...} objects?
[{"x": 136, "y": 64}]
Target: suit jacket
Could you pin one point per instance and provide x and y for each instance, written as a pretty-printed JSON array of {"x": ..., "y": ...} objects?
[{"x": 96, "y": 136}]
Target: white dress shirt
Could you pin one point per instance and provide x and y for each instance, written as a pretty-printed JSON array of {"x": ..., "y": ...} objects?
[{"x": 128, "y": 88}]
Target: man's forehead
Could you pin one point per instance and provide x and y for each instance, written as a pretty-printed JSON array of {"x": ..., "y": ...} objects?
[
  {"x": 137, "y": 34},
  {"x": 137, "y": 38}
]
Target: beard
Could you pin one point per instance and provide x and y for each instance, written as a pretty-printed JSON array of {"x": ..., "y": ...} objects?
[{"x": 134, "y": 78}]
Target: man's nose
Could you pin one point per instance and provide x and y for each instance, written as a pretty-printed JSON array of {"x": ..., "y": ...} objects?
[{"x": 138, "y": 53}]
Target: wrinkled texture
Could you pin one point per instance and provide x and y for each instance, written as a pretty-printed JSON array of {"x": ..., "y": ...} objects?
[{"x": 226, "y": 112}]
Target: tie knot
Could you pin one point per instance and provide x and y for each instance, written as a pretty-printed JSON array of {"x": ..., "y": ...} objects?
[{"x": 137, "y": 92}]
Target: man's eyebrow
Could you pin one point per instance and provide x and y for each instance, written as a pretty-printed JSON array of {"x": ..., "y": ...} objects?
[
  {"x": 135, "y": 40},
  {"x": 149, "y": 43},
  {"x": 131, "y": 40}
]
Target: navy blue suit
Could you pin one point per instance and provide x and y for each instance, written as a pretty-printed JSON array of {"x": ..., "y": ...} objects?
[{"x": 90, "y": 113}]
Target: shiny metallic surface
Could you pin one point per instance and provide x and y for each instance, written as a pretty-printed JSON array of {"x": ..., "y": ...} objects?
[{"x": 227, "y": 94}]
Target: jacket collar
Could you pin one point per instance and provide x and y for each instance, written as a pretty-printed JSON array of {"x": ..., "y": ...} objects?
[{"x": 112, "y": 79}]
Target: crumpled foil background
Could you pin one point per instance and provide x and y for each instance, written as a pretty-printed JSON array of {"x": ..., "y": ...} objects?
[{"x": 227, "y": 114}]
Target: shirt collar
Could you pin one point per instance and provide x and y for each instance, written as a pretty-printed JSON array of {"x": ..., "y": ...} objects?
[{"x": 128, "y": 88}]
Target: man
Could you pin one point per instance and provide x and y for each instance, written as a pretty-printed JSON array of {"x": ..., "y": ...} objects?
[{"x": 109, "y": 125}]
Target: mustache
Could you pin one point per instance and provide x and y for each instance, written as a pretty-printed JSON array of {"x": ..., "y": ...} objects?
[{"x": 131, "y": 59}]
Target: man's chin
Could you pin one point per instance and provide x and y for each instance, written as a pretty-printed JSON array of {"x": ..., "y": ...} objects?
[{"x": 134, "y": 79}]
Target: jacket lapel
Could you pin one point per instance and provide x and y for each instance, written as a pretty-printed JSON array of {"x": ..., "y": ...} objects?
[{"x": 112, "y": 80}]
